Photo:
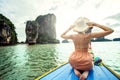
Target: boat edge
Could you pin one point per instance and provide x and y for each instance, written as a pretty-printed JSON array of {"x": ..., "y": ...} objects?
[
  {"x": 53, "y": 69},
  {"x": 111, "y": 70}
]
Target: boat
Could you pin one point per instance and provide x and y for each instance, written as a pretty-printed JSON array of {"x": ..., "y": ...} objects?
[{"x": 66, "y": 72}]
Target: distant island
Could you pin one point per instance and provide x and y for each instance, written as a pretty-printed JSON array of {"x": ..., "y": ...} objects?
[
  {"x": 65, "y": 41},
  {"x": 104, "y": 39},
  {"x": 101, "y": 39},
  {"x": 116, "y": 39}
]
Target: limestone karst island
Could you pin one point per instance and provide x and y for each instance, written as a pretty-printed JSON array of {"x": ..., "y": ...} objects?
[{"x": 42, "y": 30}]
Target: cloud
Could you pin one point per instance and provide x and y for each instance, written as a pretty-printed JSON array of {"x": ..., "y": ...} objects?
[{"x": 19, "y": 11}]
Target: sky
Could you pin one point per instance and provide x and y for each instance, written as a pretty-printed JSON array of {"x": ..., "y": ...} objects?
[{"x": 66, "y": 11}]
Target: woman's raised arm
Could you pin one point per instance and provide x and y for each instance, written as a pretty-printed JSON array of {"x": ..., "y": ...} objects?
[
  {"x": 106, "y": 29},
  {"x": 63, "y": 35}
]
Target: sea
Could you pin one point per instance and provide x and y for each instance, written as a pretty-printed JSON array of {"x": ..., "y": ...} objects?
[{"x": 27, "y": 62}]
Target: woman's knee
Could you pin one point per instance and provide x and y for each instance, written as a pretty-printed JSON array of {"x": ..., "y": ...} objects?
[{"x": 77, "y": 72}]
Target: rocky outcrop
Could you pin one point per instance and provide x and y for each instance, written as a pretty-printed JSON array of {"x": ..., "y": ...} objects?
[
  {"x": 42, "y": 30},
  {"x": 7, "y": 31},
  {"x": 31, "y": 32}
]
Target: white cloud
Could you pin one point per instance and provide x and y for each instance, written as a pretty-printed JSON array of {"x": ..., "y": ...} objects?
[{"x": 19, "y": 11}]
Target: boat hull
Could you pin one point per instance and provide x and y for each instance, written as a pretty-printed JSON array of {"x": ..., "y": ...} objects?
[{"x": 66, "y": 72}]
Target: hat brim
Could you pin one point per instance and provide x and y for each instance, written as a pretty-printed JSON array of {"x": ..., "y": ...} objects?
[
  {"x": 82, "y": 28},
  {"x": 81, "y": 25}
]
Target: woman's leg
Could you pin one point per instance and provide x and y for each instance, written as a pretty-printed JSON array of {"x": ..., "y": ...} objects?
[
  {"x": 77, "y": 73},
  {"x": 84, "y": 75}
]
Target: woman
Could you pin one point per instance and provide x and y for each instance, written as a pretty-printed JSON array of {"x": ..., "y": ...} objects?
[{"x": 81, "y": 60}]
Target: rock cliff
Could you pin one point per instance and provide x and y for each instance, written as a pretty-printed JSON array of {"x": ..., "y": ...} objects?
[
  {"x": 7, "y": 31},
  {"x": 31, "y": 32},
  {"x": 42, "y": 30}
]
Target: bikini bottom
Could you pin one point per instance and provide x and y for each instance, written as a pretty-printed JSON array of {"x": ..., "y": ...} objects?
[{"x": 81, "y": 71}]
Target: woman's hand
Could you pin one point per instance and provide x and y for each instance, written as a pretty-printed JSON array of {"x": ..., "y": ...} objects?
[
  {"x": 91, "y": 24},
  {"x": 71, "y": 27}
]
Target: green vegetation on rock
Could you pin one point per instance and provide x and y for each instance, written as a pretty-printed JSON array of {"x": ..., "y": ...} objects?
[{"x": 8, "y": 25}]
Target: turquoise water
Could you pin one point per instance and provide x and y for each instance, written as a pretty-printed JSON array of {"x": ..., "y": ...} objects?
[{"x": 27, "y": 62}]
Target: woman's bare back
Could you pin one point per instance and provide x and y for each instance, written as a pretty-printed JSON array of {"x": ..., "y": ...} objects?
[{"x": 81, "y": 41}]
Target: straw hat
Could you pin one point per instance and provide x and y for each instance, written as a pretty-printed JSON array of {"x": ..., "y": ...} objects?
[{"x": 80, "y": 24}]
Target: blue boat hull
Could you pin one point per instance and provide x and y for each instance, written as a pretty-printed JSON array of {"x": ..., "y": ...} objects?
[{"x": 65, "y": 72}]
